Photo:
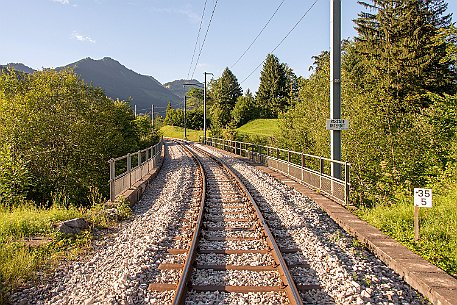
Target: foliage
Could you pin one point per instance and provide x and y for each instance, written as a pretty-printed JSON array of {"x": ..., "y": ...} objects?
[
  {"x": 216, "y": 113},
  {"x": 145, "y": 131},
  {"x": 224, "y": 93},
  {"x": 301, "y": 128},
  {"x": 276, "y": 85},
  {"x": 394, "y": 95},
  {"x": 405, "y": 55},
  {"x": 61, "y": 132},
  {"x": 245, "y": 109},
  {"x": 175, "y": 117},
  {"x": 194, "y": 98},
  {"x": 20, "y": 257},
  {"x": 438, "y": 226},
  {"x": 15, "y": 178}
]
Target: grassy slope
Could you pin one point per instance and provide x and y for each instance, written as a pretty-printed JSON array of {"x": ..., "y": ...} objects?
[
  {"x": 438, "y": 226},
  {"x": 19, "y": 260},
  {"x": 178, "y": 132},
  {"x": 261, "y": 127}
]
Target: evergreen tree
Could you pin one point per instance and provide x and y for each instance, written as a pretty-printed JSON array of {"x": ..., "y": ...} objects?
[
  {"x": 291, "y": 84},
  {"x": 272, "y": 96},
  {"x": 400, "y": 44},
  {"x": 224, "y": 93},
  {"x": 245, "y": 109}
]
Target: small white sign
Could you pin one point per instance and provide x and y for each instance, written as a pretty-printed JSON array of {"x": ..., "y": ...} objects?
[
  {"x": 423, "y": 198},
  {"x": 337, "y": 124}
]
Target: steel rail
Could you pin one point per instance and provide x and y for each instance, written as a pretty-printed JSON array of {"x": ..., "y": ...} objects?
[
  {"x": 289, "y": 285},
  {"x": 182, "y": 287}
]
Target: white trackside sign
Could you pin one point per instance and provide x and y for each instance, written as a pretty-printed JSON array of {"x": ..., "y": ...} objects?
[
  {"x": 337, "y": 124},
  {"x": 423, "y": 198}
]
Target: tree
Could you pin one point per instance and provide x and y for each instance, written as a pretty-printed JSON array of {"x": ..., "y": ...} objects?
[
  {"x": 291, "y": 85},
  {"x": 272, "y": 96},
  {"x": 59, "y": 133},
  {"x": 400, "y": 43},
  {"x": 194, "y": 98},
  {"x": 245, "y": 109},
  {"x": 224, "y": 93}
]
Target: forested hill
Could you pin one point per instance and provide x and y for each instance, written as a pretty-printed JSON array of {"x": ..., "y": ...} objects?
[
  {"x": 18, "y": 67},
  {"x": 123, "y": 83},
  {"x": 178, "y": 88}
]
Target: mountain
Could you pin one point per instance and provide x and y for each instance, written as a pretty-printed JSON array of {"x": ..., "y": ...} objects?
[
  {"x": 18, "y": 67},
  {"x": 120, "y": 82},
  {"x": 178, "y": 88}
]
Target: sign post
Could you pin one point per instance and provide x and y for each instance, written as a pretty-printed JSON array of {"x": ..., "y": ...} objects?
[
  {"x": 335, "y": 84},
  {"x": 422, "y": 199}
]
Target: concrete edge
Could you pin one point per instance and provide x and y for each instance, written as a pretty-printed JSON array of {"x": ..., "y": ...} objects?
[
  {"x": 133, "y": 194},
  {"x": 432, "y": 282}
]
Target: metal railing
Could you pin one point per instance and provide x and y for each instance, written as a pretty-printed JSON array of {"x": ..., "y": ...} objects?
[
  {"x": 124, "y": 176},
  {"x": 313, "y": 171}
]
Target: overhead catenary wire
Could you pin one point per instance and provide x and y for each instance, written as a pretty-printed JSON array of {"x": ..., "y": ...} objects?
[
  {"x": 282, "y": 40},
  {"x": 204, "y": 39},
  {"x": 258, "y": 35},
  {"x": 198, "y": 37}
]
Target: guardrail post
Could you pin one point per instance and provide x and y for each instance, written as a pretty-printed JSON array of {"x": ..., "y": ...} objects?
[
  {"x": 129, "y": 168},
  {"x": 302, "y": 166},
  {"x": 277, "y": 153},
  {"x": 346, "y": 183},
  {"x": 258, "y": 153},
  {"x": 147, "y": 158},
  {"x": 288, "y": 162},
  {"x": 321, "y": 171},
  {"x": 112, "y": 176}
]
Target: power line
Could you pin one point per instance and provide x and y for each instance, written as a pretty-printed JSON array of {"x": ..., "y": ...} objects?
[
  {"x": 282, "y": 40},
  {"x": 198, "y": 36},
  {"x": 204, "y": 39},
  {"x": 258, "y": 35}
]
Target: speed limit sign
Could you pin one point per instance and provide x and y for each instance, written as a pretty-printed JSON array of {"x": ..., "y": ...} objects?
[{"x": 423, "y": 198}]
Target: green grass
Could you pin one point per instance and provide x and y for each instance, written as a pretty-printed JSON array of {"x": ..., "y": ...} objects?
[
  {"x": 178, "y": 133},
  {"x": 260, "y": 127},
  {"x": 438, "y": 226},
  {"x": 19, "y": 260}
]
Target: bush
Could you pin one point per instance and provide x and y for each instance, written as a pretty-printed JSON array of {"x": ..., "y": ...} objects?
[{"x": 15, "y": 178}]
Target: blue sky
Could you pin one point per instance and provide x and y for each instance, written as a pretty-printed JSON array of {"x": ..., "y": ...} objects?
[{"x": 157, "y": 38}]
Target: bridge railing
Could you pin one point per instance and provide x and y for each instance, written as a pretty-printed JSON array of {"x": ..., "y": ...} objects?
[
  {"x": 313, "y": 171},
  {"x": 127, "y": 170}
]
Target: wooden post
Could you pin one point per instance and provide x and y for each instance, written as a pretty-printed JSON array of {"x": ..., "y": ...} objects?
[{"x": 416, "y": 223}]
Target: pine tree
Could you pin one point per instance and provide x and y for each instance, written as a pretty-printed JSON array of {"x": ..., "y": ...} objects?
[
  {"x": 400, "y": 42},
  {"x": 272, "y": 96},
  {"x": 224, "y": 93},
  {"x": 245, "y": 109}
]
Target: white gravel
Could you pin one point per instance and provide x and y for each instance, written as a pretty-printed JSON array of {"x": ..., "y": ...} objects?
[
  {"x": 348, "y": 273},
  {"x": 119, "y": 269}
]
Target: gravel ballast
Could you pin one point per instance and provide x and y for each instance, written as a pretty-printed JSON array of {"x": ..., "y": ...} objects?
[
  {"x": 347, "y": 272},
  {"x": 120, "y": 268}
]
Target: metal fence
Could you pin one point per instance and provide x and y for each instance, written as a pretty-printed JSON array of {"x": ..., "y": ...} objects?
[
  {"x": 123, "y": 176},
  {"x": 310, "y": 170}
]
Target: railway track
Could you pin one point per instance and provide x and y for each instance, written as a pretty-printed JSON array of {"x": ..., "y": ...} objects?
[{"x": 228, "y": 246}]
